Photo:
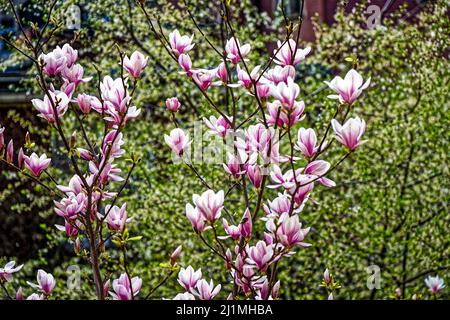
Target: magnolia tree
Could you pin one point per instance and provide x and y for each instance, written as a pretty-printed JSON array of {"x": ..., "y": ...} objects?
[
  {"x": 267, "y": 149},
  {"x": 255, "y": 159},
  {"x": 89, "y": 204}
]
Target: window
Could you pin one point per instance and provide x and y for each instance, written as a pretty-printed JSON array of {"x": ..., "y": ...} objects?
[
  {"x": 293, "y": 8},
  {"x": 7, "y": 26}
]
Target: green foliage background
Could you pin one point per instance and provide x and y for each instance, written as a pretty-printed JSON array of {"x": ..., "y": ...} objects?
[{"x": 390, "y": 206}]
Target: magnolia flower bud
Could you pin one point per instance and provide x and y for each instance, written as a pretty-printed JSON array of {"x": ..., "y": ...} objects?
[
  {"x": 326, "y": 277},
  {"x": 85, "y": 154},
  {"x": 19, "y": 294},
  {"x": 21, "y": 159},
  {"x": 77, "y": 246},
  {"x": 106, "y": 287},
  {"x": 135, "y": 64},
  {"x": 27, "y": 138},
  {"x": 10, "y": 151},
  {"x": 175, "y": 255},
  {"x": 2, "y": 139}
]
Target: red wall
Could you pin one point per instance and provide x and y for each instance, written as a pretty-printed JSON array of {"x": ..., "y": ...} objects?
[{"x": 327, "y": 8}]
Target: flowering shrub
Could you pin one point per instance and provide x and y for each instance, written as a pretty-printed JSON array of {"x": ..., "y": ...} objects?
[
  {"x": 273, "y": 175},
  {"x": 253, "y": 147},
  {"x": 85, "y": 204}
]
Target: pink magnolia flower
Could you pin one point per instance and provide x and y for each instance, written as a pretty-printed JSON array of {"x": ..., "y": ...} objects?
[
  {"x": 68, "y": 88},
  {"x": 281, "y": 117},
  {"x": 350, "y": 133},
  {"x": 35, "y": 296},
  {"x": 6, "y": 273},
  {"x": 264, "y": 292},
  {"x": 260, "y": 255},
  {"x": 286, "y": 93},
  {"x": 46, "y": 282},
  {"x": 123, "y": 289},
  {"x": 70, "y": 207},
  {"x": 75, "y": 186},
  {"x": 290, "y": 232},
  {"x": 349, "y": 88},
  {"x": 175, "y": 255},
  {"x": 37, "y": 164},
  {"x": 233, "y": 166},
  {"x": 207, "y": 291},
  {"x": 70, "y": 54},
  {"x": 135, "y": 64},
  {"x": 278, "y": 206},
  {"x": 108, "y": 172},
  {"x": 231, "y": 230},
  {"x": 188, "y": 278},
  {"x": 302, "y": 192},
  {"x": 257, "y": 139},
  {"x": 219, "y": 126},
  {"x": 53, "y": 62},
  {"x": 180, "y": 44},
  {"x": 74, "y": 74},
  {"x": 203, "y": 78},
  {"x": 178, "y": 141},
  {"x": 112, "y": 143},
  {"x": 244, "y": 79},
  {"x": 184, "y": 296},
  {"x": 263, "y": 89},
  {"x": 306, "y": 142},
  {"x": 85, "y": 154},
  {"x": 276, "y": 290},
  {"x": 70, "y": 229},
  {"x": 288, "y": 55},
  {"x": 317, "y": 169},
  {"x": 280, "y": 74},
  {"x": 186, "y": 64},
  {"x": 245, "y": 225},
  {"x": 222, "y": 73},
  {"x": 116, "y": 217},
  {"x": 209, "y": 204},
  {"x": 87, "y": 102},
  {"x": 234, "y": 50},
  {"x": 255, "y": 175},
  {"x": 196, "y": 218},
  {"x": 117, "y": 118},
  {"x": 173, "y": 104},
  {"x": 2, "y": 138},
  {"x": 435, "y": 284},
  {"x": 45, "y": 107},
  {"x": 285, "y": 180},
  {"x": 244, "y": 229},
  {"x": 115, "y": 94}
]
